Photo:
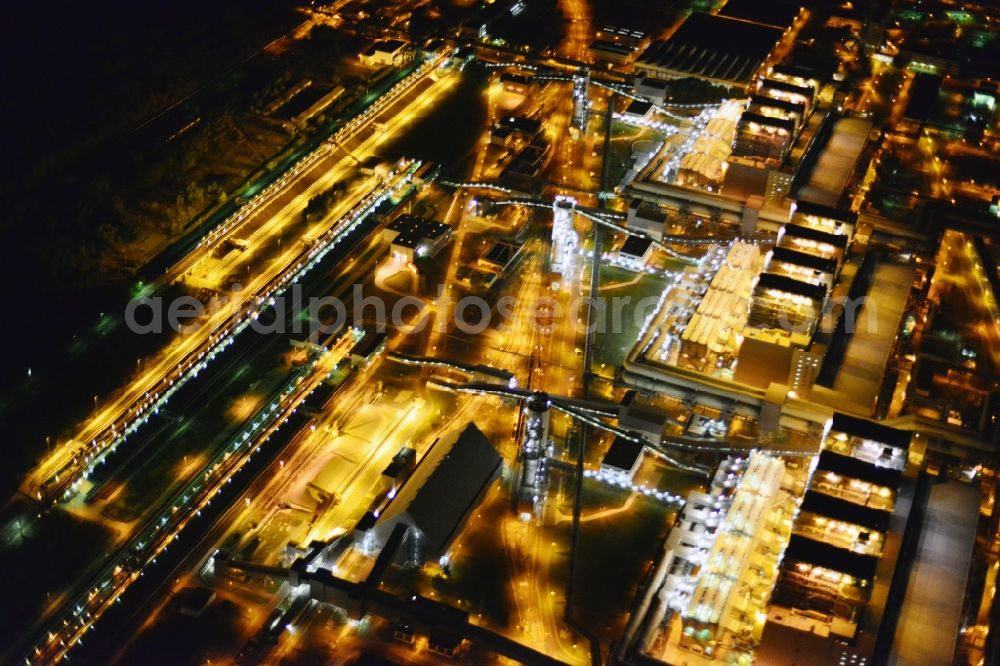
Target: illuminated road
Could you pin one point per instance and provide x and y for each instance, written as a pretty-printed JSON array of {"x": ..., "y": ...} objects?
[
  {"x": 125, "y": 565},
  {"x": 959, "y": 264},
  {"x": 260, "y": 507},
  {"x": 260, "y": 499},
  {"x": 194, "y": 350},
  {"x": 530, "y": 552},
  {"x": 314, "y": 165},
  {"x": 580, "y": 33},
  {"x": 539, "y": 346},
  {"x": 108, "y": 426}
]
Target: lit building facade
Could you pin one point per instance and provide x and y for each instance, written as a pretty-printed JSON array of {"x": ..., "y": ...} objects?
[{"x": 565, "y": 240}]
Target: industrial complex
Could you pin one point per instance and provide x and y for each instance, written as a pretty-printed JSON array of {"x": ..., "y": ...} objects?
[{"x": 523, "y": 332}]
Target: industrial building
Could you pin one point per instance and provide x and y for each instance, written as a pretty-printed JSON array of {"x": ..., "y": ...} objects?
[
  {"x": 635, "y": 252},
  {"x": 773, "y": 107},
  {"x": 623, "y": 36},
  {"x": 791, "y": 295},
  {"x": 716, "y": 326},
  {"x": 705, "y": 164},
  {"x": 807, "y": 248},
  {"x": 194, "y": 601},
  {"x": 775, "y": 114},
  {"x": 499, "y": 255},
  {"x": 801, "y": 266},
  {"x": 784, "y": 303},
  {"x": 786, "y": 88},
  {"x": 842, "y": 561},
  {"x": 646, "y": 218},
  {"x": 411, "y": 237},
  {"x": 518, "y": 84},
  {"x": 806, "y": 82},
  {"x": 436, "y": 499},
  {"x": 652, "y": 88},
  {"x": 501, "y": 136},
  {"x": 808, "y": 239},
  {"x": 830, "y": 597},
  {"x": 924, "y": 92},
  {"x": 720, "y": 49},
  {"x": 369, "y": 349},
  {"x": 642, "y": 417},
  {"x": 607, "y": 51},
  {"x": 637, "y": 112},
  {"x": 397, "y": 471},
  {"x": 528, "y": 128},
  {"x": 831, "y": 161},
  {"x": 761, "y": 314},
  {"x": 303, "y": 102},
  {"x": 622, "y": 459},
  {"x": 768, "y": 127},
  {"x": 390, "y": 53},
  {"x": 717, "y": 567},
  {"x": 521, "y": 172},
  {"x": 825, "y": 219}
]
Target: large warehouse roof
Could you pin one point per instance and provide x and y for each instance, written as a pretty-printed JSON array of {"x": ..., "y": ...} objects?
[
  {"x": 446, "y": 485},
  {"x": 714, "y": 47}
]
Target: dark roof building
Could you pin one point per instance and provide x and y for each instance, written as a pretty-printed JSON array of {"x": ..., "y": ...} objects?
[
  {"x": 789, "y": 285},
  {"x": 835, "y": 572},
  {"x": 651, "y": 88},
  {"x": 436, "y": 500},
  {"x": 499, "y": 255},
  {"x": 639, "y": 415},
  {"x": 870, "y": 430},
  {"x": 516, "y": 83},
  {"x": 717, "y": 48},
  {"x": 845, "y": 511},
  {"x": 527, "y": 127},
  {"x": 636, "y": 249},
  {"x": 923, "y": 98},
  {"x": 638, "y": 110},
  {"x": 369, "y": 348},
  {"x": 786, "y": 124},
  {"x": 818, "y": 553},
  {"x": 831, "y": 461},
  {"x": 623, "y": 36},
  {"x": 609, "y": 51},
  {"x": 798, "y": 231},
  {"x": 788, "y": 90},
  {"x": 501, "y": 135},
  {"x": 763, "y": 103},
  {"x": 646, "y": 217},
  {"x": 399, "y": 468},
  {"x": 412, "y": 236},
  {"x": 195, "y": 600},
  {"x": 623, "y": 458},
  {"x": 789, "y": 256}
]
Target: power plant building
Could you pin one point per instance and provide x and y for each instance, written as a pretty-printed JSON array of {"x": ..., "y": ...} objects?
[
  {"x": 437, "y": 498},
  {"x": 720, "y": 49}
]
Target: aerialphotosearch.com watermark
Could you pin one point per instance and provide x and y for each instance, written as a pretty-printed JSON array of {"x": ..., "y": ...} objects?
[{"x": 317, "y": 316}]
